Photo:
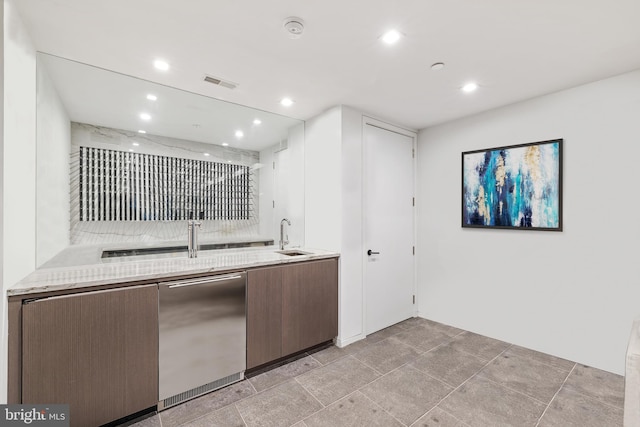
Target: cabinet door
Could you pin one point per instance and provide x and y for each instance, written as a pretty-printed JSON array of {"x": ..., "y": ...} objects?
[
  {"x": 309, "y": 304},
  {"x": 264, "y": 315},
  {"x": 97, "y": 352}
]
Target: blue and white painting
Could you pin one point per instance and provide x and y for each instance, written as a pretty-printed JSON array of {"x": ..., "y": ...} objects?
[{"x": 513, "y": 187}]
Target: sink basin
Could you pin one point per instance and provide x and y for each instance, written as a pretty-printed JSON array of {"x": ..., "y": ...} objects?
[{"x": 293, "y": 252}]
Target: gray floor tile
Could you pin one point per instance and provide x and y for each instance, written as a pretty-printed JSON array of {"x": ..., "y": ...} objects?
[
  {"x": 329, "y": 354},
  {"x": 449, "y": 330},
  {"x": 283, "y": 373},
  {"x": 200, "y": 406},
  {"x": 406, "y": 393},
  {"x": 423, "y": 338},
  {"x": 353, "y": 410},
  {"x": 282, "y": 405},
  {"x": 480, "y": 346},
  {"x": 572, "y": 409},
  {"x": 225, "y": 417},
  {"x": 411, "y": 322},
  {"x": 438, "y": 418},
  {"x": 601, "y": 385},
  {"x": 384, "y": 333},
  {"x": 387, "y": 355},
  {"x": 526, "y": 375},
  {"x": 153, "y": 421},
  {"x": 481, "y": 403},
  {"x": 547, "y": 359},
  {"x": 449, "y": 365},
  {"x": 356, "y": 346},
  {"x": 338, "y": 379}
]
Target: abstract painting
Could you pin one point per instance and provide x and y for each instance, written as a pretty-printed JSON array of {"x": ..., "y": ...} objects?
[{"x": 515, "y": 187}]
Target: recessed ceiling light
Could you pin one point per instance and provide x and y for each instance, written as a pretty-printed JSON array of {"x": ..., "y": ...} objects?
[
  {"x": 142, "y": 131},
  {"x": 207, "y": 154},
  {"x": 391, "y": 36},
  {"x": 135, "y": 144},
  {"x": 257, "y": 121},
  {"x": 469, "y": 87},
  {"x": 145, "y": 116},
  {"x": 239, "y": 134},
  {"x": 152, "y": 97},
  {"x": 437, "y": 66},
  {"x": 287, "y": 102},
  {"x": 225, "y": 144},
  {"x": 228, "y": 161},
  {"x": 161, "y": 65},
  {"x": 130, "y": 149}
]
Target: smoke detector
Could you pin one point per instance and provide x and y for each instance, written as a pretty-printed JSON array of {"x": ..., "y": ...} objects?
[{"x": 294, "y": 26}]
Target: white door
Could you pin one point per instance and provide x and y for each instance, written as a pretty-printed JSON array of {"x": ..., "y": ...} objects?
[{"x": 388, "y": 227}]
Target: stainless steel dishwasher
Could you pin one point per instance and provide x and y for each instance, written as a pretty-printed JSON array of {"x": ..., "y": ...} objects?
[{"x": 202, "y": 344}]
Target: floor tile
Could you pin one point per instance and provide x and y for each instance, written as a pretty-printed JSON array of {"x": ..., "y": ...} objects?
[
  {"x": 449, "y": 330},
  {"x": 282, "y": 405},
  {"x": 329, "y": 354},
  {"x": 353, "y": 410},
  {"x": 387, "y": 355},
  {"x": 356, "y": 346},
  {"x": 601, "y": 385},
  {"x": 338, "y": 379},
  {"x": 438, "y": 418},
  {"x": 526, "y": 375},
  {"x": 384, "y": 333},
  {"x": 480, "y": 346},
  {"x": 225, "y": 417},
  {"x": 572, "y": 409},
  {"x": 406, "y": 393},
  {"x": 449, "y": 365},
  {"x": 423, "y": 338},
  {"x": 547, "y": 359},
  {"x": 205, "y": 404},
  {"x": 283, "y": 373},
  {"x": 481, "y": 403},
  {"x": 153, "y": 421}
]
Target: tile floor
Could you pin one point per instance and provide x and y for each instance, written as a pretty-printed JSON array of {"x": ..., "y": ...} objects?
[{"x": 415, "y": 373}]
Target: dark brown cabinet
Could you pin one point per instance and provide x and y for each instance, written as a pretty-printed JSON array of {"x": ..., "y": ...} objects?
[
  {"x": 309, "y": 304},
  {"x": 96, "y": 351},
  {"x": 290, "y": 308},
  {"x": 264, "y": 315}
]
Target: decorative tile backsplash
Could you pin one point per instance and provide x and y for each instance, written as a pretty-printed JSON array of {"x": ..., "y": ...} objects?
[{"x": 128, "y": 187}]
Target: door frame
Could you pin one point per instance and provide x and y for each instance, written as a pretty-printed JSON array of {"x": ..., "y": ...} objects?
[{"x": 370, "y": 121}]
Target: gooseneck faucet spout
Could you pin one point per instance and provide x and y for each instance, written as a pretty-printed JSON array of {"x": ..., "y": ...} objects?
[
  {"x": 283, "y": 241},
  {"x": 192, "y": 237}
]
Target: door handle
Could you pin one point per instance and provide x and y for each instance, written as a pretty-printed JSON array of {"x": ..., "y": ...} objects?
[{"x": 370, "y": 252}]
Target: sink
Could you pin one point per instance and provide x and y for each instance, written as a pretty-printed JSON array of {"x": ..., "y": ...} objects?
[{"x": 293, "y": 252}]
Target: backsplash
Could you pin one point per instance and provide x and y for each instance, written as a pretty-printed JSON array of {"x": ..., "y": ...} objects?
[{"x": 131, "y": 187}]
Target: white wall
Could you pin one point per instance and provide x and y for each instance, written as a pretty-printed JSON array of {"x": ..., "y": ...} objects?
[
  {"x": 52, "y": 181},
  {"x": 3, "y": 305},
  {"x": 333, "y": 177},
  {"x": 282, "y": 188},
  {"x": 574, "y": 293},
  {"x": 19, "y": 163},
  {"x": 323, "y": 181}
]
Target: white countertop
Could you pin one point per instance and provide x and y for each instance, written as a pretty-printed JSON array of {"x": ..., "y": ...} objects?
[{"x": 81, "y": 266}]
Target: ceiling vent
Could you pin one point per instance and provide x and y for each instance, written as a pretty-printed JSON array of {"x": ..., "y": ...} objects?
[{"x": 220, "y": 82}]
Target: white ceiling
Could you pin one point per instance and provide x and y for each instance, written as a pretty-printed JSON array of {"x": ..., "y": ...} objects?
[{"x": 514, "y": 49}]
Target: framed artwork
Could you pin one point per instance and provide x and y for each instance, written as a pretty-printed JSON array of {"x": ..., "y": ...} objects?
[{"x": 514, "y": 187}]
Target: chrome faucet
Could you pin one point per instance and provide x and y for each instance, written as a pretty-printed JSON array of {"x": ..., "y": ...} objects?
[
  {"x": 192, "y": 236},
  {"x": 282, "y": 238}
]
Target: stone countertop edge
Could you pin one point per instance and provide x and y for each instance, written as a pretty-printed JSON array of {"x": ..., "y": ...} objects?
[{"x": 100, "y": 274}]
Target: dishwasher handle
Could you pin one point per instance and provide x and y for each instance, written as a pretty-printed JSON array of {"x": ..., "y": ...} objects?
[{"x": 201, "y": 281}]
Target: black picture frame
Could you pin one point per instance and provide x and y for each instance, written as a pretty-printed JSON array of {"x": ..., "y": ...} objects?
[{"x": 516, "y": 187}]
